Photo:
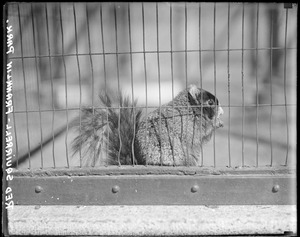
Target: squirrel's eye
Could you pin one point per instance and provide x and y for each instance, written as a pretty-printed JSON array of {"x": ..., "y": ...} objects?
[{"x": 211, "y": 102}]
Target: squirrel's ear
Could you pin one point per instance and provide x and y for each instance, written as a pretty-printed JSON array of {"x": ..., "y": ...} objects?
[{"x": 193, "y": 93}]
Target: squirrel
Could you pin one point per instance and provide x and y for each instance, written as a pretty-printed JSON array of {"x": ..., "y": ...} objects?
[{"x": 171, "y": 135}]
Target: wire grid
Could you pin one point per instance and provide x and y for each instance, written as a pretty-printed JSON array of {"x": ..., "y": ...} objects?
[{"x": 116, "y": 13}]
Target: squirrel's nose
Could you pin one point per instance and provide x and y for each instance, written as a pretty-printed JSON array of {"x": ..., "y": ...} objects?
[{"x": 220, "y": 111}]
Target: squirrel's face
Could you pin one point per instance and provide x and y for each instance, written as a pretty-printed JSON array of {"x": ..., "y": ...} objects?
[{"x": 212, "y": 110}]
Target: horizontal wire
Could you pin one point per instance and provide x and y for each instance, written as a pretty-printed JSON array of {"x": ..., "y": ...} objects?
[
  {"x": 153, "y": 107},
  {"x": 152, "y": 51}
]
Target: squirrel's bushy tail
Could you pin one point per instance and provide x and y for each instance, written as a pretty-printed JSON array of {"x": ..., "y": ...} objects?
[{"x": 108, "y": 132}]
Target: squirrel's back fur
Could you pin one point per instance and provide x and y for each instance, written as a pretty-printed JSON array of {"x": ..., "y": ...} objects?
[
  {"x": 174, "y": 134},
  {"x": 170, "y": 135}
]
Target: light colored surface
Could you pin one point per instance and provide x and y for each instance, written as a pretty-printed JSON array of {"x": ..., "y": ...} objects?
[{"x": 151, "y": 220}]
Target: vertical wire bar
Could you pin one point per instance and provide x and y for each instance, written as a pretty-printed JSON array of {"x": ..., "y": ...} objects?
[
  {"x": 51, "y": 82},
  {"x": 201, "y": 79},
  {"x": 118, "y": 77},
  {"x": 92, "y": 71},
  {"x": 271, "y": 94},
  {"x": 79, "y": 81},
  {"x": 186, "y": 81},
  {"x": 284, "y": 78},
  {"x": 104, "y": 66},
  {"x": 243, "y": 88},
  {"x": 215, "y": 74},
  {"x": 24, "y": 82},
  {"x": 228, "y": 73},
  {"x": 256, "y": 82},
  {"x": 172, "y": 77},
  {"x": 38, "y": 87},
  {"x": 159, "y": 79},
  {"x": 146, "y": 79},
  {"x": 66, "y": 89},
  {"x": 132, "y": 88}
]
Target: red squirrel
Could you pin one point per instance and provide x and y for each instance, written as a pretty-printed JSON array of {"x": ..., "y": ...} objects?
[{"x": 171, "y": 135}]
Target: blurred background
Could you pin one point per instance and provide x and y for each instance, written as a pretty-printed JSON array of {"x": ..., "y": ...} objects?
[{"x": 244, "y": 53}]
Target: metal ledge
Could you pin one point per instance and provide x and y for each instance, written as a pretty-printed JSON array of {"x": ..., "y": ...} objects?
[
  {"x": 155, "y": 190},
  {"x": 155, "y": 170}
]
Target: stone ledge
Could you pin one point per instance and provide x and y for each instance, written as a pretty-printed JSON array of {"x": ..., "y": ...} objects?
[{"x": 152, "y": 220}]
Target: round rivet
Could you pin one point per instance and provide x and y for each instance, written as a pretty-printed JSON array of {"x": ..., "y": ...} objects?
[
  {"x": 38, "y": 189},
  {"x": 275, "y": 188},
  {"x": 115, "y": 189},
  {"x": 195, "y": 188}
]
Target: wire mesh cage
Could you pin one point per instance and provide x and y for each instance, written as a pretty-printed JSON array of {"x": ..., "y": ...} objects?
[
  {"x": 66, "y": 53},
  {"x": 97, "y": 95}
]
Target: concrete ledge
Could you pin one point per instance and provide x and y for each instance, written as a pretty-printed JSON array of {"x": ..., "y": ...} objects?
[{"x": 151, "y": 220}]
